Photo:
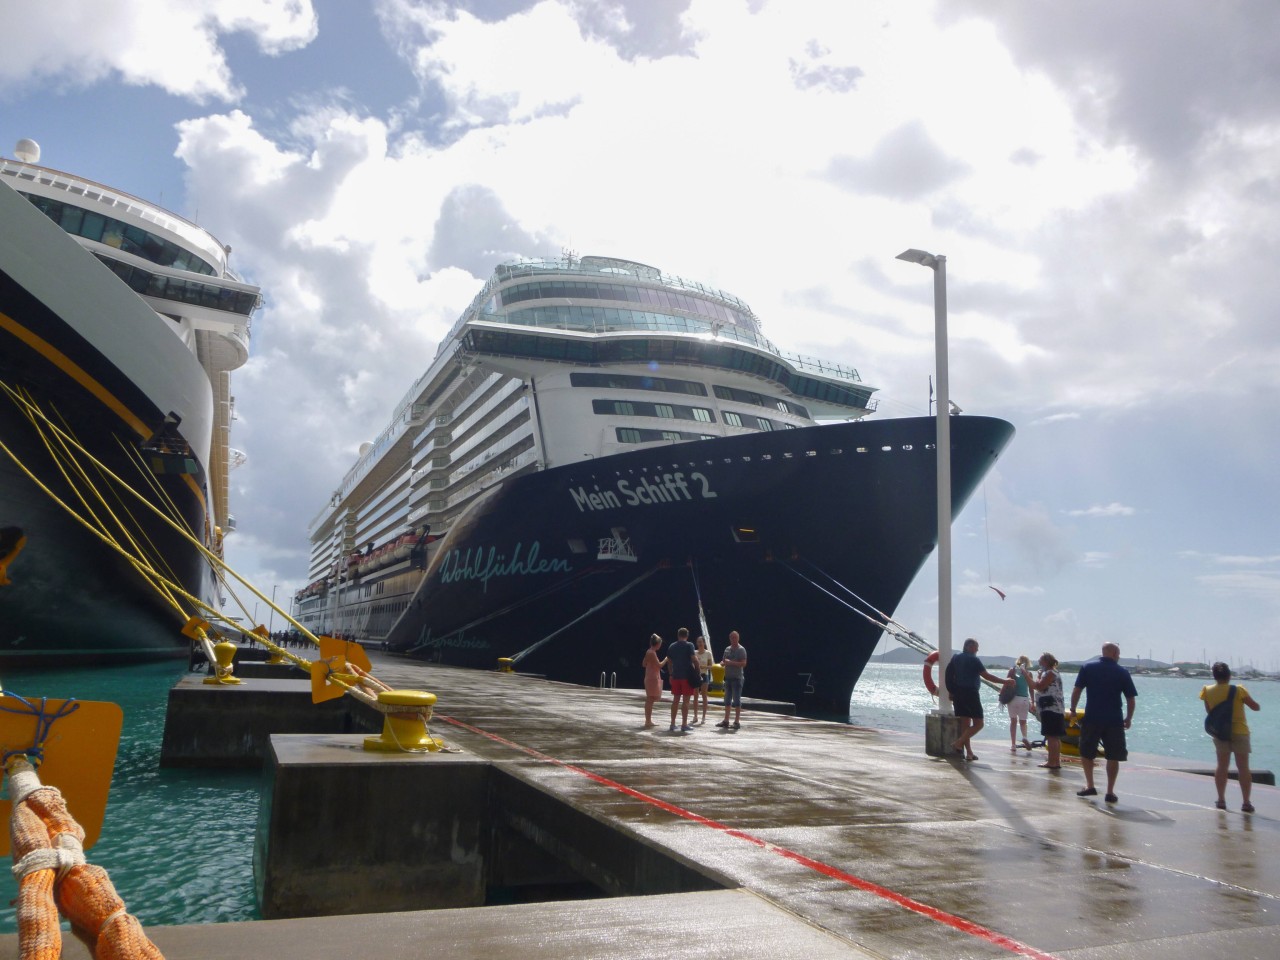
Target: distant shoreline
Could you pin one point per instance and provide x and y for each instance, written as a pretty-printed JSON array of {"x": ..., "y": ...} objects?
[{"x": 1137, "y": 665}]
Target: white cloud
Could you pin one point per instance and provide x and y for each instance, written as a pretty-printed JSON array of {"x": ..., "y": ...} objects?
[
  {"x": 172, "y": 44},
  {"x": 1108, "y": 510}
]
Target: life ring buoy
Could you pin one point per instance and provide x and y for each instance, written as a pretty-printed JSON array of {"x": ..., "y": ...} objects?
[{"x": 929, "y": 682}]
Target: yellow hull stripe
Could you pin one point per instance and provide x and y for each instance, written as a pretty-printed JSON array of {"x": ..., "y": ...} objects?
[{"x": 76, "y": 373}]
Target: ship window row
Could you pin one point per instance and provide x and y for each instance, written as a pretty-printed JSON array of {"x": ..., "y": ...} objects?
[
  {"x": 642, "y": 408},
  {"x": 638, "y": 435},
  {"x": 623, "y": 292},
  {"x": 760, "y": 400},
  {"x": 211, "y": 295},
  {"x": 625, "y": 381},
  {"x": 755, "y": 423},
  {"x": 661, "y": 350},
  {"x": 123, "y": 236}
]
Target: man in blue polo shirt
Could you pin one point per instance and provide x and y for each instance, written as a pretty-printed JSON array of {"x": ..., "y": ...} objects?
[{"x": 1107, "y": 683}]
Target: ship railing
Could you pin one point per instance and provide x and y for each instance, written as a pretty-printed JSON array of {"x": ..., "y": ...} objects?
[
  {"x": 543, "y": 266},
  {"x": 809, "y": 365},
  {"x": 192, "y": 233}
]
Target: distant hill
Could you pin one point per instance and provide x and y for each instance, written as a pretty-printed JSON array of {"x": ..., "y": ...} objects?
[{"x": 907, "y": 655}]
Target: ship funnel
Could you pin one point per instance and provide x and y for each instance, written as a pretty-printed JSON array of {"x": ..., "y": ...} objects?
[{"x": 28, "y": 151}]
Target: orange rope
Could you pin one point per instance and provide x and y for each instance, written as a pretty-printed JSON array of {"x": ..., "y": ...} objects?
[{"x": 49, "y": 859}]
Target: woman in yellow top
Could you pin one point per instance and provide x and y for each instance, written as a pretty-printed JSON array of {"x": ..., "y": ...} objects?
[{"x": 1212, "y": 695}]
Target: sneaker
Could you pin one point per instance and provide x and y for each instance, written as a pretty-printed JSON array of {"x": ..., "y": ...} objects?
[
  {"x": 673, "y": 728},
  {"x": 736, "y": 725},
  {"x": 686, "y": 728},
  {"x": 723, "y": 723},
  {"x": 1086, "y": 792}
]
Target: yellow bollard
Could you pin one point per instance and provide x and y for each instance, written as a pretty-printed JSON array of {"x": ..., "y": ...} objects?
[
  {"x": 404, "y": 729},
  {"x": 717, "y": 677},
  {"x": 506, "y": 665},
  {"x": 224, "y": 653}
]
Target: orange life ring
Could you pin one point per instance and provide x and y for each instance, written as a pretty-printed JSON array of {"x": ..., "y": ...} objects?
[{"x": 929, "y": 683}]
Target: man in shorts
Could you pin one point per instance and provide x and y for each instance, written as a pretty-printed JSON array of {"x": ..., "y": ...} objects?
[
  {"x": 681, "y": 654},
  {"x": 1106, "y": 683},
  {"x": 967, "y": 672},
  {"x": 734, "y": 663}
]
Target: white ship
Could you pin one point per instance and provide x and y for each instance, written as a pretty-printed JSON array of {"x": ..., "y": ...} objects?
[
  {"x": 600, "y": 451},
  {"x": 120, "y": 324}
]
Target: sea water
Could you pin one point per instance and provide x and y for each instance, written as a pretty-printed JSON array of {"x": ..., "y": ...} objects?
[
  {"x": 178, "y": 844},
  {"x": 1168, "y": 721}
]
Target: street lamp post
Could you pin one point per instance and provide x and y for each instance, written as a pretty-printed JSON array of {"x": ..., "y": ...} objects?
[{"x": 938, "y": 264}]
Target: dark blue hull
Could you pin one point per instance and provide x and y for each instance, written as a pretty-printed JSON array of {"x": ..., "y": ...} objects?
[{"x": 764, "y": 528}]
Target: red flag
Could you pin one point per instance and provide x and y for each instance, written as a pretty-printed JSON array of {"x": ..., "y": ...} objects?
[{"x": 999, "y": 591}]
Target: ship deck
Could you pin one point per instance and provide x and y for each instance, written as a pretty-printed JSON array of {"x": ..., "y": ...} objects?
[{"x": 828, "y": 840}]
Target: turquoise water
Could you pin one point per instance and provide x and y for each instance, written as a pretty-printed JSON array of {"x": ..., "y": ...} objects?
[
  {"x": 1168, "y": 722},
  {"x": 178, "y": 844}
]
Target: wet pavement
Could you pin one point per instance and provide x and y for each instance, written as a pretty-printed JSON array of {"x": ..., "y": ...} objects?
[
  {"x": 834, "y": 841},
  {"x": 903, "y": 855}
]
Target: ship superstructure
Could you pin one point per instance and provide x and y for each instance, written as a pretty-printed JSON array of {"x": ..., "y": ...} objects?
[{"x": 553, "y": 363}]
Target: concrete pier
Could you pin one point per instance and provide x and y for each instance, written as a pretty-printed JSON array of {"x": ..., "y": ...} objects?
[{"x": 825, "y": 839}]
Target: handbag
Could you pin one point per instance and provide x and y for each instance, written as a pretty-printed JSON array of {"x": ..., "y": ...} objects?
[{"x": 1217, "y": 723}]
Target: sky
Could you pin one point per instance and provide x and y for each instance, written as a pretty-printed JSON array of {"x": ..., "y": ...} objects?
[{"x": 1104, "y": 183}]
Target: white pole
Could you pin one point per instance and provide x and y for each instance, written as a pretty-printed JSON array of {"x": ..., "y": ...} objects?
[
  {"x": 938, "y": 264},
  {"x": 944, "y": 476},
  {"x": 272, "y": 622}
]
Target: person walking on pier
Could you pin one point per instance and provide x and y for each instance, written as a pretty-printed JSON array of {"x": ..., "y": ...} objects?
[
  {"x": 1021, "y": 702},
  {"x": 735, "y": 664},
  {"x": 1050, "y": 708},
  {"x": 652, "y": 679},
  {"x": 1213, "y": 695},
  {"x": 1106, "y": 683},
  {"x": 969, "y": 673},
  {"x": 705, "y": 661},
  {"x": 681, "y": 665}
]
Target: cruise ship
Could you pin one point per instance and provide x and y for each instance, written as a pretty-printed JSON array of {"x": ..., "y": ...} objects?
[
  {"x": 120, "y": 324},
  {"x": 601, "y": 451}
]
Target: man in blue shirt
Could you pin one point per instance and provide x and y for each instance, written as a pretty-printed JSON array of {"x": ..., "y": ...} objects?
[
  {"x": 967, "y": 671},
  {"x": 1107, "y": 683}
]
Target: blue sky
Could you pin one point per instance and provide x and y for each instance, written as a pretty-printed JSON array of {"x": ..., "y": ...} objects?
[{"x": 1103, "y": 183}]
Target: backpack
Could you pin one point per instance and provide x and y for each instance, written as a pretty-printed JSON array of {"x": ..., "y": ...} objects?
[
  {"x": 1008, "y": 691},
  {"x": 1217, "y": 723},
  {"x": 950, "y": 675}
]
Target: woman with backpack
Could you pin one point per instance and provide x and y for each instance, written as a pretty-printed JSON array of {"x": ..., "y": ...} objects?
[
  {"x": 1016, "y": 695},
  {"x": 1213, "y": 695}
]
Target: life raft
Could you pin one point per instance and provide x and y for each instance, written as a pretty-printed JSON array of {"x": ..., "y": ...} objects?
[{"x": 929, "y": 683}]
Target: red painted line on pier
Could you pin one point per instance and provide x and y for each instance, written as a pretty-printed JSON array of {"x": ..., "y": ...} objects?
[{"x": 827, "y": 870}]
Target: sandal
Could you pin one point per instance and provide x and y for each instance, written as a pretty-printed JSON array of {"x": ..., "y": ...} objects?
[
  {"x": 1050, "y": 766},
  {"x": 1246, "y": 808},
  {"x": 1220, "y": 804}
]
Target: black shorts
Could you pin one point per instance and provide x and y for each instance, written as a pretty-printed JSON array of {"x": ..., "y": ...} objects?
[
  {"x": 967, "y": 702},
  {"x": 1052, "y": 724},
  {"x": 1111, "y": 737}
]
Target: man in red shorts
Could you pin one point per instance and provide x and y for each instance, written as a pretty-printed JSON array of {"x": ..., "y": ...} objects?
[{"x": 683, "y": 660}]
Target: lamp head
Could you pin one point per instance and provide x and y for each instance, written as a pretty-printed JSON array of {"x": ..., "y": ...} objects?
[{"x": 918, "y": 256}]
